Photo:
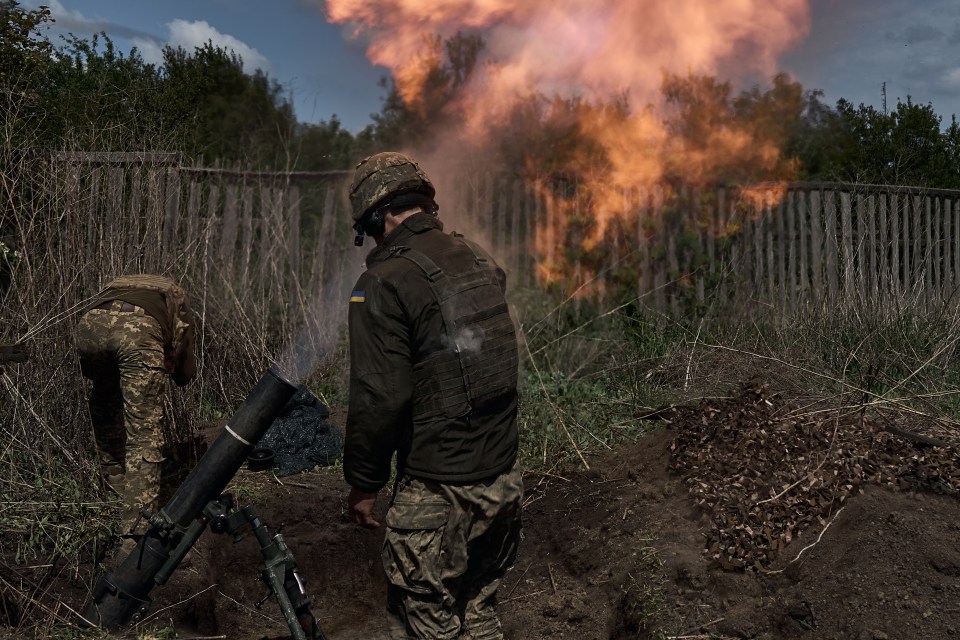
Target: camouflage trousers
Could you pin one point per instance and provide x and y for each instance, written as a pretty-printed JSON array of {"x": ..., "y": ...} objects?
[
  {"x": 122, "y": 353},
  {"x": 447, "y": 547}
]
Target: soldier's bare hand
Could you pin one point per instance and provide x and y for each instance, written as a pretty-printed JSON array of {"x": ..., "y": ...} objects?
[{"x": 361, "y": 505}]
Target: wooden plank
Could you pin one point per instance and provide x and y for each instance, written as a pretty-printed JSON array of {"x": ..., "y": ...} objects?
[
  {"x": 599, "y": 285},
  {"x": 789, "y": 237},
  {"x": 150, "y": 259},
  {"x": 644, "y": 281},
  {"x": 871, "y": 239},
  {"x": 327, "y": 223},
  {"x": 937, "y": 248},
  {"x": 883, "y": 272},
  {"x": 713, "y": 230},
  {"x": 293, "y": 231},
  {"x": 673, "y": 265},
  {"x": 212, "y": 225},
  {"x": 229, "y": 228},
  {"x": 658, "y": 266},
  {"x": 487, "y": 202},
  {"x": 803, "y": 248},
  {"x": 760, "y": 224},
  {"x": 927, "y": 259},
  {"x": 952, "y": 249},
  {"x": 171, "y": 222},
  {"x": 551, "y": 231},
  {"x": 831, "y": 248},
  {"x": 135, "y": 205},
  {"x": 246, "y": 239},
  {"x": 193, "y": 217},
  {"x": 516, "y": 240},
  {"x": 918, "y": 261},
  {"x": 817, "y": 284},
  {"x": 729, "y": 268},
  {"x": 846, "y": 244},
  {"x": 895, "y": 256},
  {"x": 265, "y": 243},
  {"x": 739, "y": 266},
  {"x": 113, "y": 217},
  {"x": 782, "y": 245},
  {"x": 278, "y": 252},
  {"x": 93, "y": 228},
  {"x": 906, "y": 257},
  {"x": 502, "y": 252},
  {"x": 534, "y": 216},
  {"x": 859, "y": 245},
  {"x": 71, "y": 205}
]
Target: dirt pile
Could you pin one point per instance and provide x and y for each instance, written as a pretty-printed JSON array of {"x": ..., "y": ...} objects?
[{"x": 765, "y": 471}]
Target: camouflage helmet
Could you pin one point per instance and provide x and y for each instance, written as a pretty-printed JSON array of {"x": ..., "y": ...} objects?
[{"x": 383, "y": 176}]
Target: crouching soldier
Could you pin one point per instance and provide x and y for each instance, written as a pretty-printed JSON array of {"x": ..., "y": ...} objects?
[{"x": 137, "y": 331}]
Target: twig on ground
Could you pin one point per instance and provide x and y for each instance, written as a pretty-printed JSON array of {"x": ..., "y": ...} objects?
[
  {"x": 693, "y": 347},
  {"x": 289, "y": 483},
  {"x": 812, "y": 544},
  {"x": 686, "y": 634},
  {"x": 521, "y": 597}
]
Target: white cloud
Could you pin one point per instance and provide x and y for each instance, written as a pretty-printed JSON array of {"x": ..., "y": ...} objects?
[
  {"x": 61, "y": 13},
  {"x": 189, "y": 35},
  {"x": 151, "y": 50},
  {"x": 952, "y": 80}
]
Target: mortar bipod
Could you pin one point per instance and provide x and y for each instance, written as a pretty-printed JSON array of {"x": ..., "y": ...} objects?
[{"x": 278, "y": 571}]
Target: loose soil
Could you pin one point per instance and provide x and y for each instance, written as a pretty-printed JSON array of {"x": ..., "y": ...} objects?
[{"x": 663, "y": 538}]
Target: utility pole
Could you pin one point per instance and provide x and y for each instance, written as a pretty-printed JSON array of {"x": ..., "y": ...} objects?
[{"x": 883, "y": 92}]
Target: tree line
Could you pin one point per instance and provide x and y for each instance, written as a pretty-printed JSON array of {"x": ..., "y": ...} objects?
[{"x": 88, "y": 94}]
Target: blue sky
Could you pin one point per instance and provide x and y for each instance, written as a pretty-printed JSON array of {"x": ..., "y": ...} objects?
[{"x": 854, "y": 46}]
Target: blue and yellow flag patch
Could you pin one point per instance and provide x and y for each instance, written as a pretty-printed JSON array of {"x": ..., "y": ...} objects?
[{"x": 357, "y": 296}]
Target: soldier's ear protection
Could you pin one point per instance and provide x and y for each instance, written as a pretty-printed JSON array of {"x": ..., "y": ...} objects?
[{"x": 372, "y": 224}]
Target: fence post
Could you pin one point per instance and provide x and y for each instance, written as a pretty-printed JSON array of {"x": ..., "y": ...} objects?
[
  {"x": 171, "y": 213},
  {"x": 228, "y": 234},
  {"x": 886, "y": 267},
  {"x": 872, "y": 245},
  {"x": 937, "y": 249},
  {"x": 831, "y": 245}
]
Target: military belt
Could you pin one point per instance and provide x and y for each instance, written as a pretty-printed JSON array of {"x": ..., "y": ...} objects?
[{"x": 117, "y": 305}]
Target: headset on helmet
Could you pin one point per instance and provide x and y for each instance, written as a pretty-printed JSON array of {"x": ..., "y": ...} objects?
[{"x": 384, "y": 181}]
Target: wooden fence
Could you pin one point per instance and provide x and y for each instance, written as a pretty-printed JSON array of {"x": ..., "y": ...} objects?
[{"x": 282, "y": 239}]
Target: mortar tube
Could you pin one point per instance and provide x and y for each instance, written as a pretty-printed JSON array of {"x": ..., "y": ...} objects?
[{"x": 122, "y": 596}]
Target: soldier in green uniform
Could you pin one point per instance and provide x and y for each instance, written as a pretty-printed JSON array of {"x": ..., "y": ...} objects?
[
  {"x": 433, "y": 379},
  {"x": 138, "y": 330}
]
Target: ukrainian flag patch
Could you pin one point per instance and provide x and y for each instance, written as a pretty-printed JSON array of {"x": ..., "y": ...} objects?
[{"x": 357, "y": 296}]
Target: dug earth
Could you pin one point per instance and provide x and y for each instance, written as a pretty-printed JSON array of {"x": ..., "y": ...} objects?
[{"x": 745, "y": 517}]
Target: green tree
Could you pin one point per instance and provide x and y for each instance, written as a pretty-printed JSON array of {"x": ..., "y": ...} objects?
[
  {"x": 24, "y": 55},
  {"x": 228, "y": 115},
  {"x": 98, "y": 98},
  {"x": 903, "y": 147},
  {"x": 325, "y": 146}
]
